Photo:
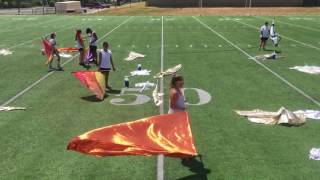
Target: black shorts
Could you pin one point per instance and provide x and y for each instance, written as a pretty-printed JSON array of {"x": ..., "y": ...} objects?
[
  {"x": 105, "y": 69},
  {"x": 80, "y": 49},
  {"x": 264, "y": 39},
  {"x": 93, "y": 48}
]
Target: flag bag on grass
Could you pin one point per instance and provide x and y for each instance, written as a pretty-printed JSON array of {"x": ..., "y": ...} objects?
[
  {"x": 93, "y": 80},
  {"x": 168, "y": 134}
]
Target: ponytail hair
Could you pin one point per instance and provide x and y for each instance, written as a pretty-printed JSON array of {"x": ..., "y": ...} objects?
[
  {"x": 78, "y": 32},
  {"x": 94, "y": 34},
  {"x": 174, "y": 81}
]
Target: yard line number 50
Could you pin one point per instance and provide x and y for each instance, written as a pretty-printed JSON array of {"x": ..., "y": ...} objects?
[{"x": 132, "y": 97}]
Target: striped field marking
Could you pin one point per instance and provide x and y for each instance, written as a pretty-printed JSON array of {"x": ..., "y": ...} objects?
[
  {"x": 259, "y": 63},
  {"x": 285, "y": 37},
  {"x": 50, "y": 73}
]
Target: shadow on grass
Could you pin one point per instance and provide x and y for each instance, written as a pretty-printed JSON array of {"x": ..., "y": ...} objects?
[
  {"x": 93, "y": 98},
  {"x": 197, "y": 167},
  {"x": 113, "y": 91}
]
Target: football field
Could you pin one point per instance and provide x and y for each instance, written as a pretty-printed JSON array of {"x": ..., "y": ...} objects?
[{"x": 220, "y": 76}]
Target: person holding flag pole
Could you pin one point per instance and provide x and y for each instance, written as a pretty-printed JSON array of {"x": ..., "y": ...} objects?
[
  {"x": 81, "y": 48},
  {"x": 54, "y": 52},
  {"x": 275, "y": 38}
]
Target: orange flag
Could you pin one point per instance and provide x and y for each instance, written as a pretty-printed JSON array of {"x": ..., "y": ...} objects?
[
  {"x": 168, "y": 134},
  {"x": 93, "y": 80}
]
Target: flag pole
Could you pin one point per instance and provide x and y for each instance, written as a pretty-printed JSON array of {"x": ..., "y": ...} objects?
[{"x": 160, "y": 158}]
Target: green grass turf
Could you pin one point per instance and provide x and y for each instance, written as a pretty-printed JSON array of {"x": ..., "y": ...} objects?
[{"x": 33, "y": 142}]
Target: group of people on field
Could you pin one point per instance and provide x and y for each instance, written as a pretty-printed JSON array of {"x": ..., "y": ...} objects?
[
  {"x": 104, "y": 62},
  {"x": 102, "y": 58},
  {"x": 268, "y": 32}
]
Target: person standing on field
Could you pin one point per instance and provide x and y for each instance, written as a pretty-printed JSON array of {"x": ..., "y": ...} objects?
[
  {"x": 264, "y": 35},
  {"x": 105, "y": 63},
  {"x": 177, "y": 99},
  {"x": 54, "y": 52}
]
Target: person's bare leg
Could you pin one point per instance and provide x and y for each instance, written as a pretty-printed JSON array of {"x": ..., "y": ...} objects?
[
  {"x": 261, "y": 42},
  {"x": 106, "y": 76}
]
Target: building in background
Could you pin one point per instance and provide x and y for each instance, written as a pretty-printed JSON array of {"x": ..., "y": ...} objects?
[{"x": 232, "y": 3}]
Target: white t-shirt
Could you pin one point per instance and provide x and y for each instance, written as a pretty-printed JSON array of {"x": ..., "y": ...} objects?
[
  {"x": 79, "y": 44},
  {"x": 264, "y": 30},
  {"x": 105, "y": 59},
  {"x": 53, "y": 42},
  {"x": 93, "y": 41}
]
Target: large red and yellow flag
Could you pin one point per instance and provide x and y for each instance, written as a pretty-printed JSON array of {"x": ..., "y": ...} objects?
[
  {"x": 168, "y": 134},
  {"x": 47, "y": 49},
  {"x": 93, "y": 80}
]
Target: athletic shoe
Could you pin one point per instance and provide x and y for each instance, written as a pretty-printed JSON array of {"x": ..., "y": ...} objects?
[{"x": 60, "y": 69}]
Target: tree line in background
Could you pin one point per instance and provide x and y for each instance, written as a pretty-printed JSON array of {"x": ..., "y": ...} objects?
[{"x": 33, "y": 3}]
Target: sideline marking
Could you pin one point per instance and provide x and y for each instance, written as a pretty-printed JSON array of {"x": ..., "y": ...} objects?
[
  {"x": 286, "y": 37},
  {"x": 261, "y": 64},
  {"x": 47, "y": 75}
]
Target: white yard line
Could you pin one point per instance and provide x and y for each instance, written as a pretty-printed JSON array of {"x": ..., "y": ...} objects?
[
  {"x": 290, "y": 24},
  {"x": 285, "y": 37},
  {"x": 160, "y": 158},
  {"x": 31, "y": 25},
  {"x": 38, "y": 38},
  {"x": 261, "y": 64},
  {"x": 49, "y": 74}
]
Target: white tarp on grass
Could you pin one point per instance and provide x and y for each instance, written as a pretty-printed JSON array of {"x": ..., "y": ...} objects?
[
  {"x": 134, "y": 55},
  {"x": 282, "y": 116},
  {"x": 310, "y": 114},
  {"x": 143, "y": 72},
  {"x": 5, "y": 52},
  {"x": 314, "y": 154},
  {"x": 307, "y": 69},
  {"x": 144, "y": 86}
]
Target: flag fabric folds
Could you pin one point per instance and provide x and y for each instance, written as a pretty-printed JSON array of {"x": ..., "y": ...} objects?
[
  {"x": 93, "y": 80},
  {"x": 47, "y": 49},
  {"x": 168, "y": 134}
]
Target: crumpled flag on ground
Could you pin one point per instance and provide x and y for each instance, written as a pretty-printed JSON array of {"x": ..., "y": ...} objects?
[
  {"x": 5, "y": 52},
  {"x": 271, "y": 56},
  {"x": 307, "y": 69},
  {"x": 8, "y": 108},
  {"x": 143, "y": 72},
  {"x": 64, "y": 55},
  {"x": 169, "y": 71},
  {"x": 283, "y": 116},
  {"x": 133, "y": 55},
  {"x": 144, "y": 86},
  {"x": 314, "y": 154},
  {"x": 93, "y": 80},
  {"x": 168, "y": 134},
  {"x": 157, "y": 97},
  {"x": 310, "y": 114}
]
